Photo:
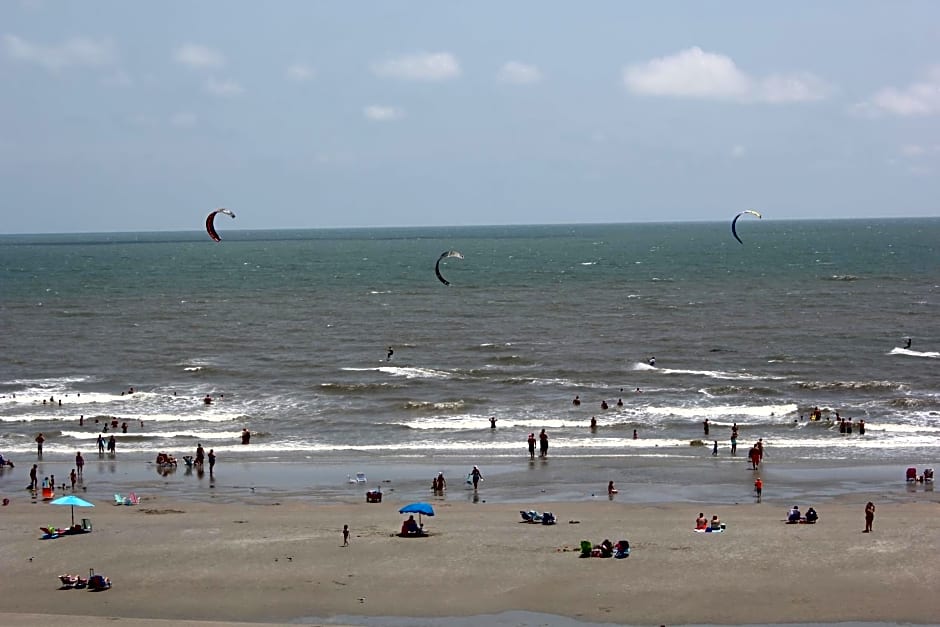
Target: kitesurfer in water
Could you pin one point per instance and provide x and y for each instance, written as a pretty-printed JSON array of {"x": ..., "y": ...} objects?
[
  {"x": 908, "y": 345},
  {"x": 391, "y": 352},
  {"x": 653, "y": 361}
]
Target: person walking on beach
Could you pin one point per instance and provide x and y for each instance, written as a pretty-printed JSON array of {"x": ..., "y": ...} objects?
[
  {"x": 73, "y": 477},
  {"x": 200, "y": 454},
  {"x": 345, "y": 535},
  {"x": 112, "y": 444},
  {"x": 211, "y": 457},
  {"x": 100, "y": 444},
  {"x": 758, "y": 488},
  {"x": 543, "y": 444},
  {"x": 39, "y": 440},
  {"x": 531, "y": 442},
  {"x": 34, "y": 477},
  {"x": 754, "y": 456},
  {"x": 734, "y": 443},
  {"x": 869, "y": 516},
  {"x": 715, "y": 449},
  {"x": 475, "y": 477}
]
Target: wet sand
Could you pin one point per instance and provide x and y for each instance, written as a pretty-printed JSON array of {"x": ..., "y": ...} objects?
[{"x": 271, "y": 561}]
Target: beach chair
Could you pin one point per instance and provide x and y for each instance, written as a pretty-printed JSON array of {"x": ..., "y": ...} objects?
[
  {"x": 586, "y": 548},
  {"x": 360, "y": 477},
  {"x": 622, "y": 549},
  {"x": 928, "y": 475},
  {"x": 526, "y": 516},
  {"x": 86, "y": 525},
  {"x": 132, "y": 499},
  {"x": 911, "y": 474}
]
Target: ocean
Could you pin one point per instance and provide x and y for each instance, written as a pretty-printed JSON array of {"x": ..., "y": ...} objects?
[{"x": 288, "y": 332}]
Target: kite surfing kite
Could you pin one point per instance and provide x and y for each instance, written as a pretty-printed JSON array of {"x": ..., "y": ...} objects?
[
  {"x": 437, "y": 266},
  {"x": 734, "y": 223},
  {"x": 210, "y": 223}
]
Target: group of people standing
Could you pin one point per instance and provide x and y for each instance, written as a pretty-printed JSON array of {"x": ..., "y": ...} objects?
[{"x": 543, "y": 444}]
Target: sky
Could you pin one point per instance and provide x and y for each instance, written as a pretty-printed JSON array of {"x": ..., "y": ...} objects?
[{"x": 145, "y": 116}]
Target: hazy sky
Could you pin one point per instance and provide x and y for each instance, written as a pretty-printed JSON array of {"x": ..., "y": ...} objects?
[{"x": 120, "y": 116}]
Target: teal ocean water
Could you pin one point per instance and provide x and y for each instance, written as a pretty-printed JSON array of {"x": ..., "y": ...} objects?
[{"x": 288, "y": 331}]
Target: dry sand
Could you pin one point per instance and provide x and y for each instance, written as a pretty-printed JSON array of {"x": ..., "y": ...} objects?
[{"x": 276, "y": 563}]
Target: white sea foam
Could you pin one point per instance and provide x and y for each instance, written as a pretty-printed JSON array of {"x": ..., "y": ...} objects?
[
  {"x": 408, "y": 373},
  {"x": 726, "y": 411},
  {"x": 911, "y": 353}
]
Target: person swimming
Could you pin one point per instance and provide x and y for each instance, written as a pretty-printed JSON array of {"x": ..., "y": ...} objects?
[
  {"x": 391, "y": 352},
  {"x": 653, "y": 361},
  {"x": 908, "y": 345}
]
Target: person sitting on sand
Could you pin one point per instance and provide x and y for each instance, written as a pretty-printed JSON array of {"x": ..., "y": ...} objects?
[
  {"x": 794, "y": 515},
  {"x": 716, "y": 523},
  {"x": 410, "y": 526},
  {"x": 701, "y": 522},
  {"x": 811, "y": 516},
  {"x": 607, "y": 548}
]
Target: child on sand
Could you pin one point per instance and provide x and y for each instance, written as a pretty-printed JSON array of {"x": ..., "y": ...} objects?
[
  {"x": 758, "y": 488},
  {"x": 345, "y": 535}
]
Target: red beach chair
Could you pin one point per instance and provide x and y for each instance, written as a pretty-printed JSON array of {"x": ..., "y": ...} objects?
[{"x": 911, "y": 474}]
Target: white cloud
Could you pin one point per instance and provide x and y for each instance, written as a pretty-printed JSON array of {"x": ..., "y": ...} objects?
[
  {"x": 519, "y": 73},
  {"x": 694, "y": 73},
  {"x": 436, "y": 66},
  {"x": 225, "y": 87},
  {"x": 300, "y": 72},
  {"x": 183, "y": 119},
  {"x": 918, "y": 98},
  {"x": 378, "y": 113},
  {"x": 75, "y": 52},
  {"x": 919, "y": 150},
  {"x": 738, "y": 151},
  {"x": 199, "y": 57},
  {"x": 119, "y": 78}
]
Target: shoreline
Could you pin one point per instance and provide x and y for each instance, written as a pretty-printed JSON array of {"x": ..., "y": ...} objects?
[
  {"x": 283, "y": 564},
  {"x": 560, "y": 479}
]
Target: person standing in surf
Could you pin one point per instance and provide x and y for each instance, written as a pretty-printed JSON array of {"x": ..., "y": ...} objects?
[
  {"x": 543, "y": 444},
  {"x": 391, "y": 352},
  {"x": 475, "y": 477}
]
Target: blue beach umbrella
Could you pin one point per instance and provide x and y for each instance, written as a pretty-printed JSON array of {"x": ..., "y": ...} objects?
[
  {"x": 74, "y": 501},
  {"x": 417, "y": 508}
]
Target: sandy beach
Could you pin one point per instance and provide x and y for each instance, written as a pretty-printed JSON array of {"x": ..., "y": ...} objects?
[{"x": 283, "y": 562}]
